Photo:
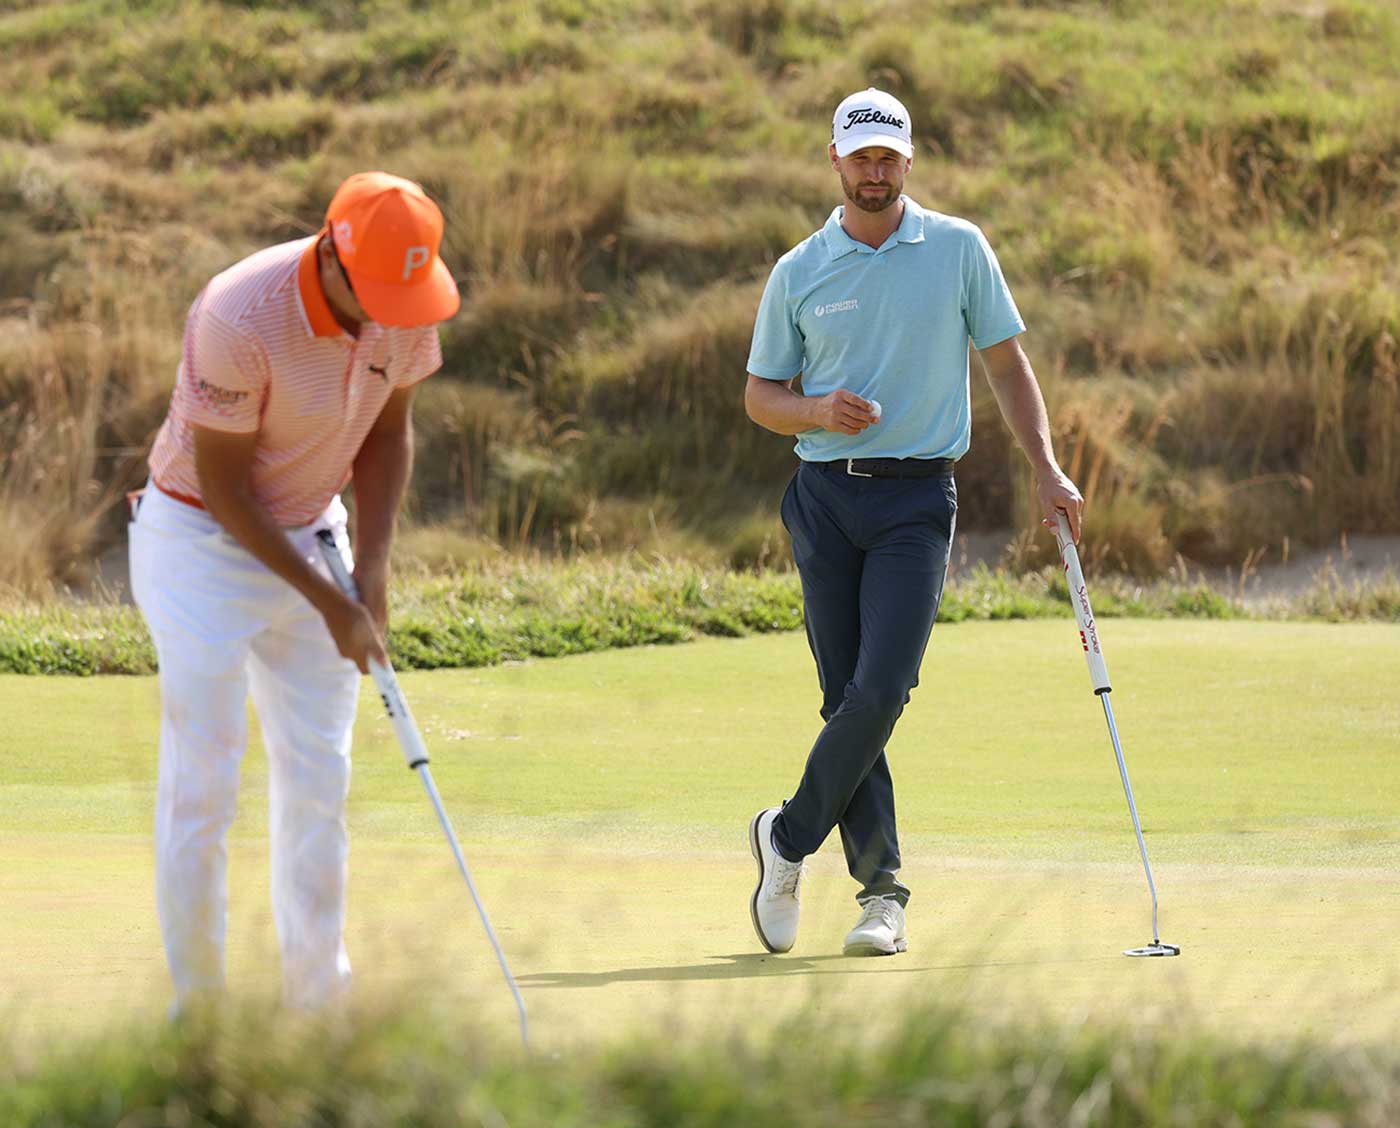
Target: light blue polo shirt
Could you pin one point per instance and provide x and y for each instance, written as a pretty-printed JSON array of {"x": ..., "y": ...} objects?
[{"x": 890, "y": 324}]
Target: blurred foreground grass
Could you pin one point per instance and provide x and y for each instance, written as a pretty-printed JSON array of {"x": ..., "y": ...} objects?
[{"x": 929, "y": 1067}]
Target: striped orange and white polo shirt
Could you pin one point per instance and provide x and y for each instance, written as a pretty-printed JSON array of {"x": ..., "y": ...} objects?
[{"x": 262, "y": 352}]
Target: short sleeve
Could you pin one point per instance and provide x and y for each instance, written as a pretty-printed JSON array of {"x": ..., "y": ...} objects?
[
  {"x": 988, "y": 308},
  {"x": 424, "y": 359},
  {"x": 223, "y": 378},
  {"x": 778, "y": 348}
]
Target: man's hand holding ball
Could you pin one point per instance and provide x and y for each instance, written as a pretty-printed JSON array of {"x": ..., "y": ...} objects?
[{"x": 845, "y": 412}]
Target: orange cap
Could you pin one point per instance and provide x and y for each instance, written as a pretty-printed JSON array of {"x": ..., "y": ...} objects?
[{"x": 387, "y": 233}]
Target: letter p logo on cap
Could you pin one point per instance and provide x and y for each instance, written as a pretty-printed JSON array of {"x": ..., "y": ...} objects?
[{"x": 413, "y": 258}]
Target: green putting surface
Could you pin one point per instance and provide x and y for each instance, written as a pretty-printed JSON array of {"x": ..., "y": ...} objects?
[{"x": 603, "y": 802}]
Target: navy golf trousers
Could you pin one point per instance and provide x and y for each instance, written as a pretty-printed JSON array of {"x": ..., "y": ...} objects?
[{"x": 873, "y": 555}]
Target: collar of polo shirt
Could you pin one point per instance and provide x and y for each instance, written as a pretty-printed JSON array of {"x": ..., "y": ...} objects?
[
  {"x": 838, "y": 243},
  {"x": 313, "y": 298}
]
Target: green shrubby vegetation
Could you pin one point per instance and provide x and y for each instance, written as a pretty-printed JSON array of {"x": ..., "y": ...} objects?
[
  {"x": 933, "y": 1066},
  {"x": 511, "y": 607},
  {"x": 1195, "y": 203}
]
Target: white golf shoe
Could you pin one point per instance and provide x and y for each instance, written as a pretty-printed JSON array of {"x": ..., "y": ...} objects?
[
  {"x": 775, "y": 902},
  {"x": 880, "y": 930}
]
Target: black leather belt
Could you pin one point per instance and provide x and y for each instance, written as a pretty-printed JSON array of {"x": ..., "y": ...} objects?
[{"x": 889, "y": 467}]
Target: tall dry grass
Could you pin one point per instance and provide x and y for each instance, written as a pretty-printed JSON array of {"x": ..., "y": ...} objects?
[
  {"x": 1196, "y": 207},
  {"x": 83, "y": 387}
]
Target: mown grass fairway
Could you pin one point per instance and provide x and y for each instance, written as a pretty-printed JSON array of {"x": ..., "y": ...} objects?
[{"x": 603, "y": 802}]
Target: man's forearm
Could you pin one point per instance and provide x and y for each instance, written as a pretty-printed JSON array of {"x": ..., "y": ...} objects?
[
  {"x": 1023, "y": 407},
  {"x": 776, "y": 406},
  {"x": 380, "y": 475}
]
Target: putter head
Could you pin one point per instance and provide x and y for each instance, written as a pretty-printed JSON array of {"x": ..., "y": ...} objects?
[{"x": 1156, "y": 948}]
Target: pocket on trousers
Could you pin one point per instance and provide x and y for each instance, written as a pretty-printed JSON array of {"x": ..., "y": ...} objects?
[
  {"x": 783, "y": 505},
  {"x": 792, "y": 520},
  {"x": 945, "y": 507}
]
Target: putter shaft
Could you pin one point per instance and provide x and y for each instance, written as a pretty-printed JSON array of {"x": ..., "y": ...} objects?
[
  {"x": 1132, "y": 809},
  {"x": 416, "y": 754},
  {"x": 432, "y": 790},
  {"x": 1098, "y": 676}
]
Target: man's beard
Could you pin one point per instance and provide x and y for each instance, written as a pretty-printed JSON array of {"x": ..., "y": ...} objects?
[{"x": 869, "y": 203}]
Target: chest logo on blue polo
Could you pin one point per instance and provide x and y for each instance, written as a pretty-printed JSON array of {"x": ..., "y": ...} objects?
[{"x": 845, "y": 306}]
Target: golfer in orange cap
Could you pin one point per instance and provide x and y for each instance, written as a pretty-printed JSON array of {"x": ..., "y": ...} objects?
[{"x": 297, "y": 377}]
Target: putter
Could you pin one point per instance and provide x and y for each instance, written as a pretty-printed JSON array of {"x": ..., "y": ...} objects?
[
  {"x": 1098, "y": 674},
  {"x": 416, "y": 753}
]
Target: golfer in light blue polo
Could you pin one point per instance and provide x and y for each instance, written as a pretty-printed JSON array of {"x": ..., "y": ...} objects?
[{"x": 875, "y": 313}]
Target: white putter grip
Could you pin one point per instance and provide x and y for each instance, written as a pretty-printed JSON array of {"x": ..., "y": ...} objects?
[
  {"x": 1079, "y": 597},
  {"x": 410, "y": 740}
]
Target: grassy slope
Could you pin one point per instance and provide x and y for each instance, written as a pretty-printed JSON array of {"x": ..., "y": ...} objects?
[
  {"x": 609, "y": 838},
  {"x": 1195, "y": 204}
]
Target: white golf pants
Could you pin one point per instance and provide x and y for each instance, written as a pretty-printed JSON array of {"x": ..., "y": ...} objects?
[{"x": 223, "y": 624}]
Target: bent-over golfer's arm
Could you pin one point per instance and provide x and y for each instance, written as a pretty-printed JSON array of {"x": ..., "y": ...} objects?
[
  {"x": 380, "y": 475},
  {"x": 776, "y": 406},
  {"x": 1023, "y": 407},
  {"x": 224, "y": 462}
]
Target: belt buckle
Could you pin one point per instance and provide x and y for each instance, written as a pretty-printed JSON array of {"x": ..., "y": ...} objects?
[{"x": 853, "y": 472}]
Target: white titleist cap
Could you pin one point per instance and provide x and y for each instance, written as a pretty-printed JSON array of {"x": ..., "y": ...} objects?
[{"x": 871, "y": 117}]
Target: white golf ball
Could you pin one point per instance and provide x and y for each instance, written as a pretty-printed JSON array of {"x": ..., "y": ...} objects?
[{"x": 875, "y": 407}]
